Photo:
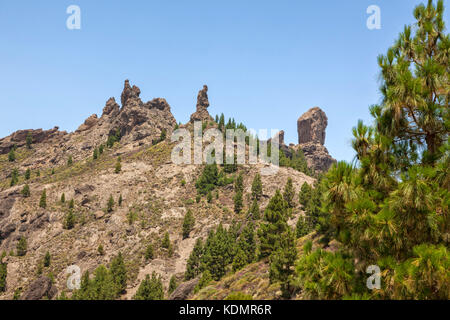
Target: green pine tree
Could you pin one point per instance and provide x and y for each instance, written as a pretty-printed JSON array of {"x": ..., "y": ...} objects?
[
  {"x": 150, "y": 288},
  {"x": 28, "y": 174},
  {"x": 26, "y": 191},
  {"x": 188, "y": 224},
  {"x": 47, "y": 259},
  {"x": 257, "y": 187},
  {"x": 273, "y": 225},
  {"x": 289, "y": 193},
  {"x": 43, "y": 200},
  {"x": 110, "y": 204},
  {"x": 193, "y": 265},
  {"x": 21, "y": 248}
]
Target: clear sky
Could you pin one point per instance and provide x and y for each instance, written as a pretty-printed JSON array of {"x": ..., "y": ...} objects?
[{"x": 265, "y": 62}]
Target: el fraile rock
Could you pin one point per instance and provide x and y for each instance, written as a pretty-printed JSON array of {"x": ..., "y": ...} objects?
[{"x": 201, "y": 113}]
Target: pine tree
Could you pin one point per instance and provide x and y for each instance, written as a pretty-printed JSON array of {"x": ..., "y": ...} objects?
[
  {"x": 304, "y": 194},
  {"x": 222, "y": 122},
  {"x": 26, "y": 191},
  {"x": 193, "y": 267},
  {"x": 208, "y": 180},
  {"x": 238, "y": 197},
  {"x": 100, "y": 149},
  {"x": 3, "y": 275},
  {"x": 240, "y": 260},
  {"x": 28, "y": 174},
  {"x": 29, "y": 140},
  {"x": 69, "y": 220},
  {"x": 209, "y": 197},
  {"x": 43, "y": 200},
  {"x": 63, "y": 198},
  {"x": 12, "y": 155},
  {"x": 282, "y": 261},
  {"x": 150, "y": 288},
  {"x": 254, "y": 213},
  {"x": 100, "y": 250},
  {"x": 273, "y": 225},
  {"x": 205, "y": 279},
  {"x": 21, "y": 248},
  {"x": 14, "y": 177},
  {"x": 188, "y": 224},
  {"x": 47, "y": 259},
  {"x": 120, "y": 200},
  {"x": 238, "y": 201},
  {"x": 247, "y": 242},
  {"x": 69, "y": 161},
  {"x": 289, "y": 193},
  {"x": 71, "y": 204},
  {"x": 118, "y": 167},
  {"x": 257, "y": 187},
  {"x": 110, "y": 204},
  {"x": 301, "y": 228},
  {"x": 119, "y": 273},
  {"x": 166, "y": 241},
  {"x": 149, "y": 252},
  {"x": 172, "y": 284},
  {"x": 95, "y": 154}
]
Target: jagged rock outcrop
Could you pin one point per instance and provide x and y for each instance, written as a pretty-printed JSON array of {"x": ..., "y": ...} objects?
[
  {"x": 183, "y": 291},
  {"x": 19, "y": 138},
  {"x": 88, "y": 123},
  {"x": 137, "y": 120},
  {"x": 42, "y": 287},
  {"x": 201, "y": 113},
  {"x": 311, "y": 128},
  {"x": 129, "y": 93}
]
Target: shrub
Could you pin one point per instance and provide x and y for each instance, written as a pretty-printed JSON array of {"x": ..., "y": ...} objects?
[
  {"x": 47, "y": 259},
  {"x": 26, "y": 191},
  {"x": 43, "y": 200},
  {"x": 21, "y": 248},
  {"x": 110, "y": 204}
]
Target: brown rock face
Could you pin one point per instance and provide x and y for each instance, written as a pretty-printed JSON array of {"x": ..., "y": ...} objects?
[
  {"x": 40, "y": 288},
  {"x": 129, "y": 92},
  {"x": 311, "y": 126},
  {"x": 201, "y": 113},
  {"x": 183, "y": 291},
  {"x": 88, "y": 123},
  {"x": 19, "y": 138}
]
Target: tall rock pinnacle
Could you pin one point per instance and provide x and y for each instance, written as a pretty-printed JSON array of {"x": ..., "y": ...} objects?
[
  {"x": 201, "y": 113},
  {"x": 311, "y": 126}
]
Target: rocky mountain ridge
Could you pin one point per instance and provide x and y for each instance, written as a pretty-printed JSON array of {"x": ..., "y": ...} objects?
[{"x": 155, "y": 195}]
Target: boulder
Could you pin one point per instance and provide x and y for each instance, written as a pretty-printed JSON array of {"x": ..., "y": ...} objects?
[
  {"x": 40, "y": 288},
  {"x": 183, "y": 291}
]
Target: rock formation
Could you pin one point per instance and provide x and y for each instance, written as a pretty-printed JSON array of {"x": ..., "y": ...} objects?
[
  {"x": 19, "y": 138},
  {"x": 201, "y": 113},
  {"x": 42, "y": 287},
  {"x": 311, "y": 128}
]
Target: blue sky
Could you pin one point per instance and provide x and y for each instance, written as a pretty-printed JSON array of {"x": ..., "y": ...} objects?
[{"x": 265, "y": 62}]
